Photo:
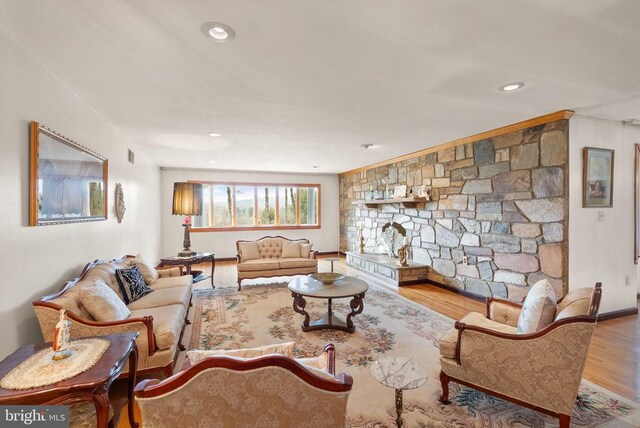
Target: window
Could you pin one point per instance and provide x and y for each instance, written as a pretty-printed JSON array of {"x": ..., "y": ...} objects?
[{"x": 242, "y": 206}]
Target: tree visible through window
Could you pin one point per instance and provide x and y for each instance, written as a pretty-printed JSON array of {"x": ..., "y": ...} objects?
[{"x": 226, "y": 206}]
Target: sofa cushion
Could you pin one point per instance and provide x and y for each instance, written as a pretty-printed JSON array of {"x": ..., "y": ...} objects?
[
  {"x": 173, "y": 281},
  {"x": 148, "y": 271},
  {"x": 290, "y": 250},
  {"x": 103, "y": 303},
  {"x": 305, "y": 250},
  {"x": 258, "y": 265},
  {"x": 167, "y": 323},
  {"x": 248, "y": 251},
  {"x": 297, "y": 263},
  {"x": 270, "y": 248},
  {"x": 538, "y": 308},
  {"x": 286, "y": 349},
  {"x": 163, "y": 297},
  {"x": 577, "y": 302},
  {"x": 132, "y": 284},
  {"x": 450, "y": 339}
]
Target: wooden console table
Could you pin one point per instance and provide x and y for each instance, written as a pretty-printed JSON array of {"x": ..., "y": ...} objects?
[
  {"x": 92, "y": 385},
  {"x": 188, "y": 261}
]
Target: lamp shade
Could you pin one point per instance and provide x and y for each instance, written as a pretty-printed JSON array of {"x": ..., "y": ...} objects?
[{"x": 187, "y": 199}]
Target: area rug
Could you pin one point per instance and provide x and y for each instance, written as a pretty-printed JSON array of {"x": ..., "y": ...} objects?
[{"x": 389, "y": 325}]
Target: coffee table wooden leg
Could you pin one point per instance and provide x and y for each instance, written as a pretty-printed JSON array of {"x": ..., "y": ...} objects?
[
  {"x": 101, "y": 402},
  {"x": 213, "y": 269},
  {"x": 399, "y": 408},
  {"x": 298, "y": 306},
  {"x": 133, "y": 366},
  {"x": 357, "y": 306}
]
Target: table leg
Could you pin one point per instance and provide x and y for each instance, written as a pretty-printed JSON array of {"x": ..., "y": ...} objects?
[
  {"x": 329, "y": 311},
  {"x": 298, "y": 306},
  {"x": 399, "y": 408},
  {"x": 331, "y": 265},
  {"x": 101, "y": 402},
  {"x": 213, "y": 269},
  {"x": 188, "y": 267},
  {"x": 357, "y": 306},
  {"x": 133, "y": 368}
]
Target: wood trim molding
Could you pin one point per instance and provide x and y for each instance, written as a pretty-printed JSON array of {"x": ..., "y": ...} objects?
[
  {"x": 250, "y": 228},
  {"x": 617, "y": 314},
  {"x": 540, "y": 120}
]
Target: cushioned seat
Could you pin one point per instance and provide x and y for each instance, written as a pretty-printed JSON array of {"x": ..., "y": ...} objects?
[
  {"x": 163, "y": 297},
  {"x": 258, "y": 265},
  {"x": 297, "y": 263},
  {"x": 167, "y": 323},
  {"x": 172, "y": 281},
  {"x": 450, "y": 339}
]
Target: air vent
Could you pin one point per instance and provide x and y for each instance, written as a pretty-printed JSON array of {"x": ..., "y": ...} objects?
[{"x": 132, "y": 157}]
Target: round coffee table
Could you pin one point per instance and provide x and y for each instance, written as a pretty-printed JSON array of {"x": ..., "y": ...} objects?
[
  {"x": 347, "y": 287},
  {"x": 399, "y": 373}
]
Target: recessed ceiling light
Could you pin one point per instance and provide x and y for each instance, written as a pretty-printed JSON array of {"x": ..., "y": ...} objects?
[
  {"x": 316, "y": 167},
  {"x": 212, "y": 162},
  {"x": 219, "y": 32},
  {"x": 366, "y": 146},
  {"x": 214, "y": 134},
  {"x": 511, "y": 86}
]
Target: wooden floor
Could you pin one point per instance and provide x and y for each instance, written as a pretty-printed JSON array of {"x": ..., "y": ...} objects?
[{"x": 614, "y": 355}]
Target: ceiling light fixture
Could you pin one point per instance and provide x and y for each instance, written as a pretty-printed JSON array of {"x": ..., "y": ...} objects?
[
  {"x": 511, "y": 86},
  {"x": 316, "y": 167},
  {"x": 212, "y": 162},
  {"x": 214, "y": 134},
  {"x": 366, "y": 146},
  {"x": 219, "y": 32}
]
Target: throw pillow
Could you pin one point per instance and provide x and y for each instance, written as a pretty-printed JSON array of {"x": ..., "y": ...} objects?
[
  {"x": 291, "y": 250},
  {"x": 538, "y": 309},
  {"x": 148, "y": 271},
  {"x": 321, "y": 373},
  {"x": 286, "y": 349},
  {"x": 248, "y": 250},
  {"x": 319, "y": 362},
  {"x": 103, "y": 303},
  {"x": 305, "y": 250},
  {"x": 132, "y": 284}
]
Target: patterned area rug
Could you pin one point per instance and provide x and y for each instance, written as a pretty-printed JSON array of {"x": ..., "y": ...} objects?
[{"x": 389, "y": 325}]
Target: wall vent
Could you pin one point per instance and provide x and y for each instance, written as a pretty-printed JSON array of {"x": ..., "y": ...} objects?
[{"x": 132, "y": 157}]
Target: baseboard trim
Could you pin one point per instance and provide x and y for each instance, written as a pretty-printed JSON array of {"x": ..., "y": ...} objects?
[
  {"x": 617, "y": 314},
  {"x": 455, "y": 290},
  {"x": 226, "y": 259},
  {"x": 328, "y": 253}
]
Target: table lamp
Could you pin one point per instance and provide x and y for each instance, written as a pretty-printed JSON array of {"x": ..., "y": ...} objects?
[{"x": 187, "y": 201}]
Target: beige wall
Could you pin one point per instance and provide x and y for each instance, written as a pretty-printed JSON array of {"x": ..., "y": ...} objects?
[
  {"x": 603, "y": 250},
  {"x": 37, "y": 260},
  {"x": 223, "y": 244}
]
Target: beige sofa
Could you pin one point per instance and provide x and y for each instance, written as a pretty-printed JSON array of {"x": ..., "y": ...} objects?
[
  {"x": 275, "y": 256},
  {"x": 159, "y": 317}
]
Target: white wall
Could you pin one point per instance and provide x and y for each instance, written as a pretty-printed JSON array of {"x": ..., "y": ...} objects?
[
  {"x": 603, "y": 251},
  {"x": 37, "y": 260},
  {"x": 223, "y": 244}
]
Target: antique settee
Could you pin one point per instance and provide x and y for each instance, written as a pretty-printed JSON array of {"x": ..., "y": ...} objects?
[
  {"x": 159, "y": 316},
  {"x": 541, "y": 370},
  {"x": 275, "y": 256},
  {"x": 268, "y": 390}
]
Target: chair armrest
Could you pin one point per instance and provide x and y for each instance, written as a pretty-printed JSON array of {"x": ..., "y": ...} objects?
[
  {"x": 239, "y": 258},
  {"x": 313, "y": 254},
  {"x": 503, "y": 311},
  {"x": 331, "y": 358},
  {"x": 170, "y": 271}
]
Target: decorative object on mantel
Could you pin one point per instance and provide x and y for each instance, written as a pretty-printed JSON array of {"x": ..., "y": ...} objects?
[
  {"x": 597, "y": 182},
  {"x": 392, "y": 238},
  {"x": 61, "y": 338},
  {"x": 400, "y": 192},
  {"x": 423, "y": 192},
  {"x": 120, "y": 208},
  {"x": 361, "y": 238},
  {"x": 60, "y": 166},
  {"x": 187, "y": 201},
  {"x": 40, "y": 369},
  {"x": 403, "y": 252}
]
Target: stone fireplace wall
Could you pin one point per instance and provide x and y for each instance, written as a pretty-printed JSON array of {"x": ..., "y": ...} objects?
[{"x": 497, "y": 222}]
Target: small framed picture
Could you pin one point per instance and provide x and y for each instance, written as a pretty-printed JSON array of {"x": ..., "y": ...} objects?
[
  {"x": 597, "y": 183},
  {"x": 400, "y": 192}
]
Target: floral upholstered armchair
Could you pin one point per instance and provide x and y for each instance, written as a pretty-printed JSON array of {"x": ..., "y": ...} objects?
[
  {"x": 541, "y": 369},
  {"x": 239, "y": 389}
]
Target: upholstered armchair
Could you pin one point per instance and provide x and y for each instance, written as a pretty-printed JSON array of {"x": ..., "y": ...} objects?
[
  {"x": 540, "y": 370},
  {"x": 266, "y": 391}
]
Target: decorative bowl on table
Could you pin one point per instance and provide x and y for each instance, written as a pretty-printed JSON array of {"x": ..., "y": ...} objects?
[{"x": 327, "y": 277}]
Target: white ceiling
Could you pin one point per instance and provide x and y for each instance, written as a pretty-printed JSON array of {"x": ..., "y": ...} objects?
[{"x": 306, "y": 82}]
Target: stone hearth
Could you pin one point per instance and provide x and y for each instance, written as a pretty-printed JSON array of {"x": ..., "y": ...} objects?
[{"x": 387, "y": 270}]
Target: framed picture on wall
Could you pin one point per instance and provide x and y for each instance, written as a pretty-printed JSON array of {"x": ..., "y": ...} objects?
[{"x": 597, "y": 183}]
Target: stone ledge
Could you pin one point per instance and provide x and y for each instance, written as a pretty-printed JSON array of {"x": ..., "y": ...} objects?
[{"x": 387, "y": 270}]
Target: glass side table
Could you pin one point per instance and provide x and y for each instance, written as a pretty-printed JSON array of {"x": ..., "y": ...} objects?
[
  {"x": 332, "y": 259},
  {"x": 398, "y": 373}
]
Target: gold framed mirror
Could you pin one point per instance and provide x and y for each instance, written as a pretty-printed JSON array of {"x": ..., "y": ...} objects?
[{"x": 67, "y": 181}]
